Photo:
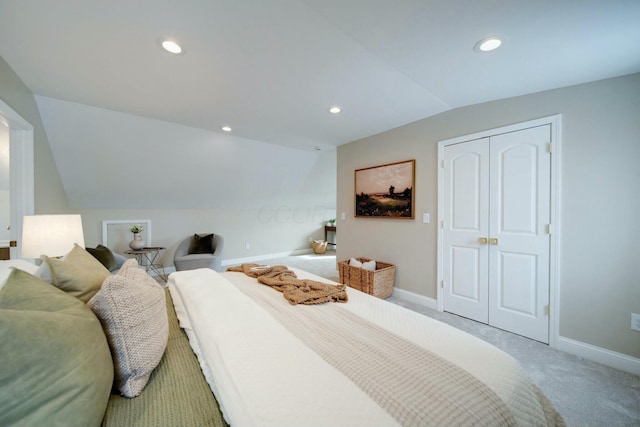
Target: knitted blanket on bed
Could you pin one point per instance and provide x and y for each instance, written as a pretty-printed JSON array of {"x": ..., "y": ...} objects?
[{"x": 296, "y": 291}]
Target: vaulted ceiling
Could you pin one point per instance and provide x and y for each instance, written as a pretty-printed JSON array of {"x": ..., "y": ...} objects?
[{"x": 270, "y": 69}]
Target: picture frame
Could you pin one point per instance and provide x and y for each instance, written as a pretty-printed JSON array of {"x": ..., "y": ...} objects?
[
  {"x": 386, "y": 191},
  {"x": 116, "y": 234}
]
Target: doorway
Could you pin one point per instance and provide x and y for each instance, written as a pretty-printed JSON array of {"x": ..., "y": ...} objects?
[
  {"x": 495, "y": 238},
  {"x": 20, "y": 183},
  {"x": 5, "y": 205}
]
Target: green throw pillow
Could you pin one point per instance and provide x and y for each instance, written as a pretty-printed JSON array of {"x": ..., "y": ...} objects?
[
  {"x": 201, "y": 244},
  {"x": 105, "y": 256},
  {"x": 56, "y": 366},
  {"x": 78, "y": 274}
]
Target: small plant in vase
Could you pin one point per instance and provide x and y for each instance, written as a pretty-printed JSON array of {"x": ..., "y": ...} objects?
[
  {"x": 331, "y": 222},
  {"x": 137, "y": 243}
]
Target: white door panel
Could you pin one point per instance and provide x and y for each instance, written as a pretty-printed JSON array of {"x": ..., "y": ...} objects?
[
  {"x": 466, "y": 207},
  {"x": 520, "y": 213},
  {"x": 517, "y": 275}
]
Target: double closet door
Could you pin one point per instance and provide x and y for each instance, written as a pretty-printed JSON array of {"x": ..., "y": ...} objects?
[{"x": 495, "y": 239}]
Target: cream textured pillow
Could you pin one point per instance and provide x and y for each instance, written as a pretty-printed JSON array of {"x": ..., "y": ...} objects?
[
  {"x": 78, "y": 274},
  {"x": 132, "y": 309}
]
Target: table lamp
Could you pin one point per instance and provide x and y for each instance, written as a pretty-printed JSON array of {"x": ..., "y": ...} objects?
[{"x": 50, "y": 235}]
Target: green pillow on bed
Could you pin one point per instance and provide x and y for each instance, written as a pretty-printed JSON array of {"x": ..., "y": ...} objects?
[
  {"x": 78, "y": 274},
  {"x": 56, "y": 366}
]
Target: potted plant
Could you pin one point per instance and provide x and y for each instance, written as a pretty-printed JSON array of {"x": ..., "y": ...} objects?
[
  {"x": 331, "y": 222},
  {"x": 137, "y": 243}
]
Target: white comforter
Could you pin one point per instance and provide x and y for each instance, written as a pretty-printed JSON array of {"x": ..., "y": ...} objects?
[{"x": 263, "y": 376}]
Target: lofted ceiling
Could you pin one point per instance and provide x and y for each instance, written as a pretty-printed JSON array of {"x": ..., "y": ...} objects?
[{"x": 270, "y": 69}]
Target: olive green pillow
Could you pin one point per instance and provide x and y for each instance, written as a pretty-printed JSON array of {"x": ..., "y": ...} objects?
[
  {"x": 56, "y": 366},
  {"x": 78, "y": 274},
  {"x": 104, "y": 255}
]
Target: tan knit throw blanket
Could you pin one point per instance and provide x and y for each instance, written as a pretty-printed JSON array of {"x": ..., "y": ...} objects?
[{"x": 296, "y": 291}]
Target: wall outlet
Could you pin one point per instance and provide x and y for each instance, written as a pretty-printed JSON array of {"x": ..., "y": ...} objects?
[{"x": 635, "y": 322}]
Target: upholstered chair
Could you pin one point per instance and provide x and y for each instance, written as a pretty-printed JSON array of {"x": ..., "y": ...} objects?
[{"x": 199, "y": 251}]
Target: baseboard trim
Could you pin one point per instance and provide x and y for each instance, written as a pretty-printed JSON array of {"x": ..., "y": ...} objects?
[
  {"x": 237, "y": 261},
  {"x": 415, "y": 298},
  {"x": 600, "y": 355}
]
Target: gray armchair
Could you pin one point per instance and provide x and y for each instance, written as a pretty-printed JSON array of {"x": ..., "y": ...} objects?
[{"x": 197, "y": 252}]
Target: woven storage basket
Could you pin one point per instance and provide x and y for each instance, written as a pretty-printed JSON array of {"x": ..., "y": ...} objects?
[
  {"x": 319, "y": 247},
  {"x": 378, "y": 283}
]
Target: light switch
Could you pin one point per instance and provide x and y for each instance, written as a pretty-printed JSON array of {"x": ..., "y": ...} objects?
[
  {"x": 342, "y": 216},
  {"x": 426, "y": 218}
]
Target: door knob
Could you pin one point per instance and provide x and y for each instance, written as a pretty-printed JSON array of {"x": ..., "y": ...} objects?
[
  {"x": 483, "y": 240},
  {"x": 493, "y": 241}
]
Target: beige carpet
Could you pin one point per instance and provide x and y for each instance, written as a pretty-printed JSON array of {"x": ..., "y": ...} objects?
[{"x": 584, "y": 392}]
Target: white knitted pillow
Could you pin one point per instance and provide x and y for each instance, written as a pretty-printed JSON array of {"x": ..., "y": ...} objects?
[
  {"x": 369, "y": 265},
  {"x": 132, "y": 309},
  {"x": 355, "y": 263}
]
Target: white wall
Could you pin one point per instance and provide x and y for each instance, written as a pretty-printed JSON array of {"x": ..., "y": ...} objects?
[
  {"x": 267, "y": 231},
  {"x": 113, "y": 160},
  {"x": 49, "y": 195},
  {"x": 600, "y": 207},
  {"x": 118, "y": 166}
]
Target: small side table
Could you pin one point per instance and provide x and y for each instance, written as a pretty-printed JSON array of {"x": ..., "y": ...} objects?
[
  {"x": 328, "y": 228},
  {"x": 150, "y": 259}
]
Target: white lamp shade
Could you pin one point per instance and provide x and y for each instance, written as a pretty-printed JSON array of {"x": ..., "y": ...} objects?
[{"x": 51, "y": 235}]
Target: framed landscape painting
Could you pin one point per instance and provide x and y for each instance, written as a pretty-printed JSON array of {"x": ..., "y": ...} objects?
[{"x": 386, "y": 191}]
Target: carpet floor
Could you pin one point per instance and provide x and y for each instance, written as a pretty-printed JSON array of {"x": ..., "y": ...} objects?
[{"x": 586, "y": 393}]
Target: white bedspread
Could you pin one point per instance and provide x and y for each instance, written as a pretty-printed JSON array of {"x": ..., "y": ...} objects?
[{"x": 264, "y": 376}]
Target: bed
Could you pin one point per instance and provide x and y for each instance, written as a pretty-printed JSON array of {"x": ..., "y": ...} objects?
[{"x": 366, "y": 362}]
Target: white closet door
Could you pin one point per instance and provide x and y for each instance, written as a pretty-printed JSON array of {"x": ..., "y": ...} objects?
[
  {"x": 495, "y": 242},
  {"x": 519, "y": 217},
  {"x": 466, "y": 210}
]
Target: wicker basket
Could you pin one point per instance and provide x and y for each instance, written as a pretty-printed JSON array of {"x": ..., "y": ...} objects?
[
  {"x": 319, "y": 246},
  {"x": 378, "y": 283}
]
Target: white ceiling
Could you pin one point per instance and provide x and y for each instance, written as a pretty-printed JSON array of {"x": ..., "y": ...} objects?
[{"x": 270, "y": 69}]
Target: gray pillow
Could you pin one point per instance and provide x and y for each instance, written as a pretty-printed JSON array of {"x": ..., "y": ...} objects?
[
  {"x": 132, "y": 309},
  {"x": 56, "y": 366}
]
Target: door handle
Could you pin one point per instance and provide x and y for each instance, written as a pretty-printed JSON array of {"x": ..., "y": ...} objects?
[
  {"x": 13, "y": 243},
  {"x": 483, "y": 240},
  {"x": 493, "y": 241}
]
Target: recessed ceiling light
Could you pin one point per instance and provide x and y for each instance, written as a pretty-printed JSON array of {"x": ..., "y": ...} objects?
[
  {"x": 172, "y": 47},
  {"x": 226, "y": 128},
  {"x": 489, "y": 44},
  {"x": 335, "y": 110}
]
